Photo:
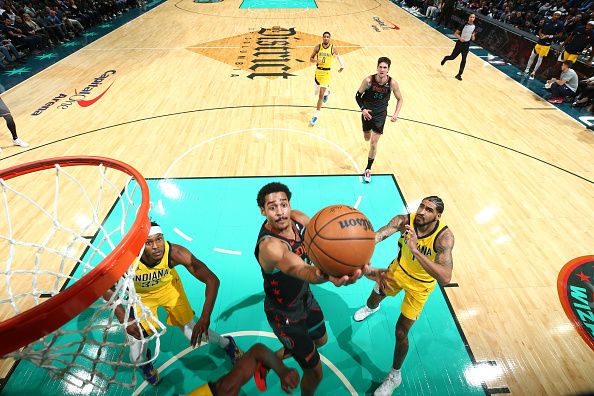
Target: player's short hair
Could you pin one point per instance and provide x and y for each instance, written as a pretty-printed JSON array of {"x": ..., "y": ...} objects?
[
  {"x": 568, "y": 63},
  {"x": 384, "y": 59},
  {"x": 326, "y": 33},
  {"x": 272, "y": 188},
  {"x": 438, "y": 202}
]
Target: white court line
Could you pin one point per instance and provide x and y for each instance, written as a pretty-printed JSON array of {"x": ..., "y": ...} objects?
[
  {"x": 296, "y": 131},
  {"x": 160, "y": 207},
  {"x": 235, "y": 252},
  {"x": 181, "y": 234},
  {"x": 268, "y": 334},
  {"x": 358, "y": 202}
]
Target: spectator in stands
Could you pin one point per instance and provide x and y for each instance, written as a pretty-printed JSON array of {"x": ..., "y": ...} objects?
[
  {"x": 30, "y": 32},
  {"x": 585, "y": 93},
  {"x": 32, "y": 43},
  {"x": 447, "y": 8},
  {"x": 56, "y": 25},
  {"x": 33, "y": 26},
  {"x": 566, "y": 85},
  {"x": 433, "y": 9}
]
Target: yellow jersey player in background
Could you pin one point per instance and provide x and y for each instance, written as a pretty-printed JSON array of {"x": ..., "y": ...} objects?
[
  {"x": 255, "y": 362},
  {"x": 323, "y": 55},
  {"x": 425, "y": 256},
  {"x": 158, "y": 285}
]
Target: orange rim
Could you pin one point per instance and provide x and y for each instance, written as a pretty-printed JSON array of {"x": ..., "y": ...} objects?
[{"x": 46, "y": 317}]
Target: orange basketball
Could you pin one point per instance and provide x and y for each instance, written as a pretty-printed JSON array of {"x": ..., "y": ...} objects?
[{"x": 339, "y": 240}]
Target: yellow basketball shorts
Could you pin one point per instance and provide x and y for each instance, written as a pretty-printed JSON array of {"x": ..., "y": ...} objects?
[
  {"x": 416, "y": 293},
  {"x": 569, "y": 57},
  {"x": 204, "y": 390},
  {"x": 542, "y": 50},
  {"x": 173, "y": 299},
  {"x": 322, "y": 78}
]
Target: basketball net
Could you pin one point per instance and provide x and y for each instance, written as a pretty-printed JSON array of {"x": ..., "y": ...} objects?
[{"x": 71, "y": 233}]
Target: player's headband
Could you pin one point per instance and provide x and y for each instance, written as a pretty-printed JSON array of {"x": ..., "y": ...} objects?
[{"x": 154, "y": 231}]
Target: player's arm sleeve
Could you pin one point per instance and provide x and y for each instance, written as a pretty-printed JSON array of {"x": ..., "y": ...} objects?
[{"x": 359, "y": 99}]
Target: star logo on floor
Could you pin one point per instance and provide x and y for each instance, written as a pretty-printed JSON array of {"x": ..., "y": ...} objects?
[
  {"x": 71, "y": 44},
  {"x": 90, "y": 34},
  {"x": 46, "y": 56},
  {"x": 18, "y": 71}
]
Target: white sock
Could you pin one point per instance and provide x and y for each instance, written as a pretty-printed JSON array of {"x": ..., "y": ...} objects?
[
  {"x": 216, "y": 338},
  {"x": 137, "y": 349},
  {"x": 317, "y": 113},
  {"x": 327, "y": 92},
  {"x": 394, "y": 371},
  {"x": 538, "y": 62},
  {"x": 213, "y": 336}
]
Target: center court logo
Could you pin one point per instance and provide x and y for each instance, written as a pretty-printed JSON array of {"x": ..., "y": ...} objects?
[
  {"x": 84, "y": 97},
  {"x": 575, "y": 285},
  {"x": 267, "y": 53}
]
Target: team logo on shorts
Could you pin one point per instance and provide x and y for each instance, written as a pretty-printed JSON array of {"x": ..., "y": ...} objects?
[
  {"x": 269, "y": 52},
  {"x": 575, "y": 285}
]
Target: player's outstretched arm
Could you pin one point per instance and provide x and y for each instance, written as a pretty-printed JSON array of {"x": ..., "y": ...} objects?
[
  {"x": 245, "y": 368},
  {"x": 183, "y": 256},
  {"x": 134, "y": 329},
  {"x": 274, "y": 254},
  {"x": 396, "y": 224}
]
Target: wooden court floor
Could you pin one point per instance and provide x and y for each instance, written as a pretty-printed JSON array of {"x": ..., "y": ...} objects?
[{"x": 189, "y": 91}]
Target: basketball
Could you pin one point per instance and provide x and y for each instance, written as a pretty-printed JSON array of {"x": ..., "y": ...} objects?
[{"x": 339, "y": 240}]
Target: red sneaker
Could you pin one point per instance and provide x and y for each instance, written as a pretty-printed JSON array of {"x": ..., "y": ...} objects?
[
  {"x": 260, "y": 377},
  {"x": 556, "y": 100}
]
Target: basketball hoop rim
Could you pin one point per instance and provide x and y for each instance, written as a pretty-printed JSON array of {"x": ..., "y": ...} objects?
[{"x": 42, "y": 319}]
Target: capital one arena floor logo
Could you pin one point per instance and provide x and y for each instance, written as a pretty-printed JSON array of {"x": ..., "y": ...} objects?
[
  {"x": 270, "y": 52},
  {"x": 575, "y": 285}
]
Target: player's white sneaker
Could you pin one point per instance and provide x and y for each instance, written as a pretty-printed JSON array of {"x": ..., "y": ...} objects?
[
  {"x": 20, "y": 142},
  {"x": 364, "y": 312},
  {"x": 367, "y": 176},
  {"x": 392, "y": 381}
]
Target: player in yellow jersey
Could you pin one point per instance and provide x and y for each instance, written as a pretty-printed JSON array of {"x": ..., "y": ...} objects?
[
  {"x": 323, "y": 55},
  {"x": 257, "y": 359},
  {"x": 158, "y": 285},
  {"x": 425, "y": 257}
]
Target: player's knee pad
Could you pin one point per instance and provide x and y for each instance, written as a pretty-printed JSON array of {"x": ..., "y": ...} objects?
[{"x": 308, "y": 364}]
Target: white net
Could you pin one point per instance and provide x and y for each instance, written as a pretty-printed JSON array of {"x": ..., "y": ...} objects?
[{"x": 56, "y": 226}]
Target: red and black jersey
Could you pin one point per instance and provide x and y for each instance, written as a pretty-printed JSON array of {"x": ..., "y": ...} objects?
[
  {"x": 283, "y": 291},
  {"x": 376, "y": 97}
]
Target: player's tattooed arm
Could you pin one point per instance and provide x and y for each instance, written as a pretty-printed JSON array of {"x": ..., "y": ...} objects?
[
  {"x": 443, "y": 256},
  {"x": 395, "y": 225}
]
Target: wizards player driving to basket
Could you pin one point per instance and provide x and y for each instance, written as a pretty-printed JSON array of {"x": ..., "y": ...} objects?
[
  {"x": 291, "y": 309},
  {"x": 158, "y": 285}
]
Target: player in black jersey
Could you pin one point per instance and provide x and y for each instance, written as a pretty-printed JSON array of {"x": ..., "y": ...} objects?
[
  {"x": 292, "y": 311},
  {"x": 372, "y": 97}
]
